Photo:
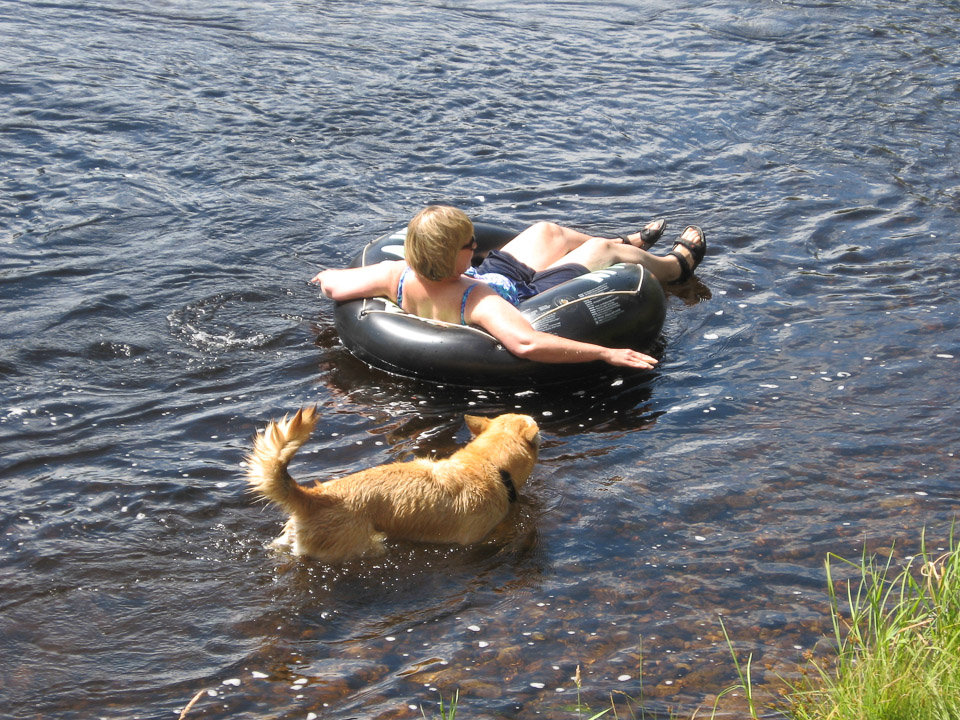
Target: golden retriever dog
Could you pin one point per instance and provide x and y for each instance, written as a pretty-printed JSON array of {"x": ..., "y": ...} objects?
[{"x": 459, "y": 499}]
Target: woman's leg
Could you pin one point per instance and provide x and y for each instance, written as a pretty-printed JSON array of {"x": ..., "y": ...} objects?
[
  {"x": 600, "y": 253},
  {"x": 545, "y": 244}
]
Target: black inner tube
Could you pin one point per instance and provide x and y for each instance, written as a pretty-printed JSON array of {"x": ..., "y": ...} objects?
[{"x": 623, "y": 306}]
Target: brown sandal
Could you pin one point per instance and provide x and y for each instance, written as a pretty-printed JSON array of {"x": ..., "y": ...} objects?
[
  {"x": 648, "y": 235},
  {"x": 697, "y": 249}
]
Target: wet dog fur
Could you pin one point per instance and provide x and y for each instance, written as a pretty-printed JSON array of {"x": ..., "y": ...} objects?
[{"x": 459, "y": 499}]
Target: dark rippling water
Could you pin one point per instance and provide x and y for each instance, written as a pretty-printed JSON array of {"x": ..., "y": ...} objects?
[{"x": 172, "y": 173}]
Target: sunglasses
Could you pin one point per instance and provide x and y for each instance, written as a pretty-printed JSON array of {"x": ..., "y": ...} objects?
[{"x": 472, "y": 245}]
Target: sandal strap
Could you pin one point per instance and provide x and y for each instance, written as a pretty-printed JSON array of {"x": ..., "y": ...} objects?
[
  {"x": 648, "y": 236},
  {"x": 697, "y": 250},
  {"x": 647, "y": 243},
  {"x": 651, "y": 235},
  {"x": 685, "y": 271}
]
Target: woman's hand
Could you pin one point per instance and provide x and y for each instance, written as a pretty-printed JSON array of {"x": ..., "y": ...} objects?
[{"x": 624, "y": 357}]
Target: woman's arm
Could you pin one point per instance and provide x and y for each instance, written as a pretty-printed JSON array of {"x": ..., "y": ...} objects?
[
  {"x": 511, "y": 328},
  {"x": 378, "y": 280}
]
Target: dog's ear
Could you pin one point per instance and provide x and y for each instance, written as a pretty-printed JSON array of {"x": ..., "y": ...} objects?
[
  {"x": 530, "y": 433},
  {"x": 476, "y": 423}
]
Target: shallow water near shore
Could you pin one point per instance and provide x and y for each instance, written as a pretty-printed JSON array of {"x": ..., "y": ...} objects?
[{"x": 172, "y": 175}]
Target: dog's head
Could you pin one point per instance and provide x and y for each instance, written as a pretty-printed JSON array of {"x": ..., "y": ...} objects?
[{"x": 510, "y": 441}]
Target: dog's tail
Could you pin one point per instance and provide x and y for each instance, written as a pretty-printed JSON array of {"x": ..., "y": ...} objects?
[{"x": 273, "y": 449}]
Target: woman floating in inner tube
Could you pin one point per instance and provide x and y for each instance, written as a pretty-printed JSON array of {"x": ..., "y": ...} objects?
[{"x": 436, "y": 280}]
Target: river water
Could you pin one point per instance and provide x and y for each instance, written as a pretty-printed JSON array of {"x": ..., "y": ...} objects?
[{"x": 171, "y": 175}]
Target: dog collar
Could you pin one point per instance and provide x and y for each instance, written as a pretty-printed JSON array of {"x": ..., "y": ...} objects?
[{"x": 508, "y": 484}]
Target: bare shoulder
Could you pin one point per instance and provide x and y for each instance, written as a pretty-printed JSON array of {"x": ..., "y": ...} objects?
[
  {"x": 484, "y": 307},
  {"x": 384, "y": 277},
  {"x": 391, "y": 269}
]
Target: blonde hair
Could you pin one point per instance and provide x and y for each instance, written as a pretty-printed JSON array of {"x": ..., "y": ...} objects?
[{"x": 434, "y": 237}]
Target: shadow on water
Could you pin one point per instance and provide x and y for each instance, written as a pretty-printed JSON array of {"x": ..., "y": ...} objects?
[
  {"x": 350, "y": 632},
  {"x": 411, "y": 583},
  {"x": 604, "y": 400}
]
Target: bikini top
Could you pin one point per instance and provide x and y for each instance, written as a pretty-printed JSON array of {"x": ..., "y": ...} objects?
[{"x": 500, "y": 284}]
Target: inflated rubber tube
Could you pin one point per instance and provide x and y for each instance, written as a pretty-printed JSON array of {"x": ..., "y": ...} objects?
[{"x": 622, "y": 306}]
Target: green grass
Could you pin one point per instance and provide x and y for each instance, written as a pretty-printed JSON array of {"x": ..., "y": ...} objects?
[
  {"x": 897, "y": 644},
  {"x": 743, "y": 673},
  {"x": 448, "y": 713}
]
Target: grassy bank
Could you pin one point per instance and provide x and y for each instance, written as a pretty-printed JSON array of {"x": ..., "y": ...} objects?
[{"x": 897, "y": 640}]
